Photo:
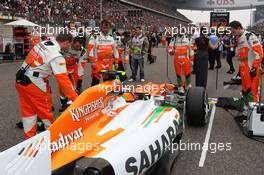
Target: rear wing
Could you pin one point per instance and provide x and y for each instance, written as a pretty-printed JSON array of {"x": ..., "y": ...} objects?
[{"x": 30, "y": 157}]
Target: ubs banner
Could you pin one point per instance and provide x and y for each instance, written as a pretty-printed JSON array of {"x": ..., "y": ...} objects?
[{"x": 219, "y": 19}]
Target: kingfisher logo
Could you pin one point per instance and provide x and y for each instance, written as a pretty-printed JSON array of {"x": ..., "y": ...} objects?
[
  {"x": 78, "y": 113},
  {"x": 220, "y": 2}
]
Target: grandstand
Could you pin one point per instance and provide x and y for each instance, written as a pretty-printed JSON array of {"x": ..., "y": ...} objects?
[{"x": 154, "y": 13}]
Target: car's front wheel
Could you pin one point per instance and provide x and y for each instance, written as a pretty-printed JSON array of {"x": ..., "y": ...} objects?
[{"x": 196, "y": 107}]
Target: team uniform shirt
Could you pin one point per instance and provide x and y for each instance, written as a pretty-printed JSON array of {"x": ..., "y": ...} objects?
[
  {"x": 249, "y": 50},
  {"x": 104, "y": 49},
  {"x": 45, "y": 59},
  {"x": 182, "y": 47},
  {"x": 76, "y": 61}
]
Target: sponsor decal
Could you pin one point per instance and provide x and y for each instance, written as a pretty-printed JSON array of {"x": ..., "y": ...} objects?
[
  {"x": 91, "y": 117},
  {"x": 62, "y": 64},
  {"x": 157, "y": 149},
  {"x": 78, "y": 113},
  {"x": 109, "y": 111},
  {"x": 65, "y": 140},
  {"x": 158, "y": 112},
  {"x": 220, "y": 2}
]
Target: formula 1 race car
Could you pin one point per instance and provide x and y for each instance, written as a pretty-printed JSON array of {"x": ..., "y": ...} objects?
[{"x": 112, "y": 129}]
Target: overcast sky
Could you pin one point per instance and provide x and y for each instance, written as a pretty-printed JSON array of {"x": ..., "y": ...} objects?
[{"x": 204, "y": 16}]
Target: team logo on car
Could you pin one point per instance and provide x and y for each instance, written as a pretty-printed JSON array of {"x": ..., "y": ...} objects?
[{"x": 78, "y": 113}]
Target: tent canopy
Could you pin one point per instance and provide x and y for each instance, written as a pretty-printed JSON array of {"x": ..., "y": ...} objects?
[{"x": 22, "y": 22}]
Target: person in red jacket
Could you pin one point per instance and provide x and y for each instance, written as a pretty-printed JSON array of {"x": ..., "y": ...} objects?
[{"x": 32, "y": 82}]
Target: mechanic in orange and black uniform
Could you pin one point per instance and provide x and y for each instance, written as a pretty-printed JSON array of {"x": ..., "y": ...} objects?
[
  {"x": 43, "y": 61},
  {"x": 76, "y": 59},
  {"x": 250, "y": 54},
  {"x": 103, "y": 53}
]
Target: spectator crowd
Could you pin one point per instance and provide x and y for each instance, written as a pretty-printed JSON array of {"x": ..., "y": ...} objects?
[{"x": 87, "y": 12}]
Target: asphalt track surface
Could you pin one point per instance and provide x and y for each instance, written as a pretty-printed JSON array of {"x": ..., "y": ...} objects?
[{"x": 246, "y": 156}]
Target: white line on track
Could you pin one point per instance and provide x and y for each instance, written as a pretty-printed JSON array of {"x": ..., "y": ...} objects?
[{"x": 207, "y": 138}]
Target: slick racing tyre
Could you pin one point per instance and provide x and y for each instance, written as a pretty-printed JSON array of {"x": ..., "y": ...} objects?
[
  {"x": 92, "y": 171},
  {"x": 196, "y": 107}
]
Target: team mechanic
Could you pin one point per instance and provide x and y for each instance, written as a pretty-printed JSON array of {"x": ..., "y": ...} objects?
[
  {"x": 76, "y": 59},
  {"x": 250, "y": 54},
  {"x": 44, "y": 60},
  {"x": 102, "y": 53},
  {"x": 181, "y": 48}
]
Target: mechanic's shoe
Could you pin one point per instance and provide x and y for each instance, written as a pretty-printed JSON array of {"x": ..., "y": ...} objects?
[
  {"x": 63, "y": 100},
  {"x": 40, "y": 126},
  {"x": 240, "y": 118},
  {"x": 19, "y": 125},
  {"x": 230, "y": 72},
  {"x": 142, "y": 80},
  {"x": 210, "y": 68},
  {"x": 181, "y": 91},
  {"x": 63, "y": 107},
  {"x": 151, "y": 61},
  {"x": 218, "y": 67},
  {"x": 131, "y": 80},
  {"x": 189, "y": 86}
]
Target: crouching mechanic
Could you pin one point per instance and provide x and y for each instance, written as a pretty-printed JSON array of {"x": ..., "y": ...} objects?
[
  {"x": 76, "y": 59},
  {"x": 181, "y": 48},
  {"x": 44, "y": 60},
  {"x": 103, "y": 53},
  {"x": 250, "y": 54}
]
